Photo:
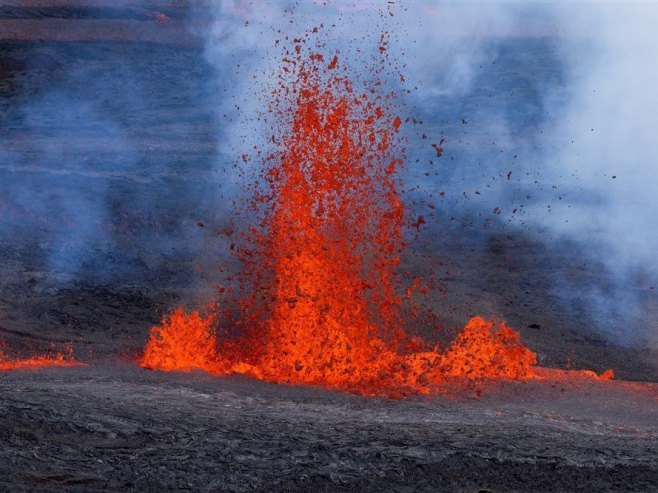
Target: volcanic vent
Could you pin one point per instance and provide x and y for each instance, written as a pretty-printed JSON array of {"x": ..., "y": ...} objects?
[{"x": 320, "y": 296}]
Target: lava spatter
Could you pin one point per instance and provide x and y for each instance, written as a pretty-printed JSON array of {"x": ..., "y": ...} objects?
[
  {"x": 184, "y": 341},
  {"x": 322, "y": 297}
]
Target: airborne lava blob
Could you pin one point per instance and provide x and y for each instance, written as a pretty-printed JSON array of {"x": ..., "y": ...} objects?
[{"x": 322, "y": 305}]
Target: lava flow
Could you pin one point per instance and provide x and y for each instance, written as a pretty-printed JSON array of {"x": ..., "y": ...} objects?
[
  {"x": 322, "y": 305},
  {"x": 66, "y": 358}
]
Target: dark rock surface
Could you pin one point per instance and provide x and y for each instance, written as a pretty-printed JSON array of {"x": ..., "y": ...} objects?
[{"x": 125, "y": 429}]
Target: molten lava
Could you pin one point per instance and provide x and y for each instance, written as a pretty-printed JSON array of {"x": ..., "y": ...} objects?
[
  {"x": 183, "y": 342},
  {"x": 8, "y": 363},
  {"x": 323, "y": 304}
]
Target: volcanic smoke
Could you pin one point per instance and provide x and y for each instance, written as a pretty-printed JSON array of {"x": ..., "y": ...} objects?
[{"x": 320, "y": 302}]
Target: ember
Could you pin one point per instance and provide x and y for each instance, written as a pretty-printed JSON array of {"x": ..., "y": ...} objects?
[{"x": 322, "y": 305}]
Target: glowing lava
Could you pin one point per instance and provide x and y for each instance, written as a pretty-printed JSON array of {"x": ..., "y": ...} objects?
[
  {"x": 66, "y": 358},
  {"x": 184, "y": 341},
  {"x": 323, "y": 306}
]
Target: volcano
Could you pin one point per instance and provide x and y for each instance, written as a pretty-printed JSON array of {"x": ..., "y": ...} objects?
[{"x": 240, "y": 253}]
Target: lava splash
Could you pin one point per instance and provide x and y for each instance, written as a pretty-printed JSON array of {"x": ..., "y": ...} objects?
[{"x": 322, "y": 304}]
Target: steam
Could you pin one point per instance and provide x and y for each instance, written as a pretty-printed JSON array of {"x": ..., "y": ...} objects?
[
  {"x": 532, "y": 140},
  {"x": 102, "y": 163},
  {"x": 601, "y": 149},
  {"x": 558, "y": 144}
]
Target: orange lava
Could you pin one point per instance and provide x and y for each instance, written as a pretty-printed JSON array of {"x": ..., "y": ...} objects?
[
  {"x": 323, "y": 304},
  {"x": 559, "y": 374},
  {"x": 187, "y": 340},
  {"x": 66, "y": 358},
  {"x": 183, "y": 342}
]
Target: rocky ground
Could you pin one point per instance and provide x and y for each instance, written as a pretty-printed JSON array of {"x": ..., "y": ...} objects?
[
  {"x": 110, "y": 156},
  {"x": 121, "y": 428}
]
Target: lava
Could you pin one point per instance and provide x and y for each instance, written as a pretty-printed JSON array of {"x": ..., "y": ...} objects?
[
  {"x": 322, "y": 306},
  {"x": 183, "y": 342},
  {"x": 66, "y": 358}
]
